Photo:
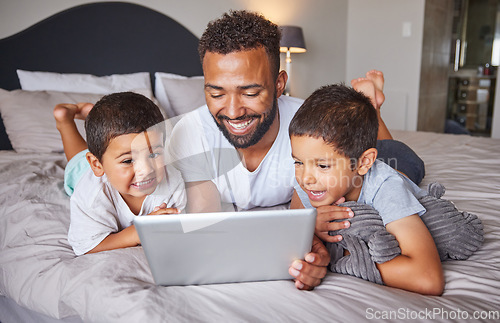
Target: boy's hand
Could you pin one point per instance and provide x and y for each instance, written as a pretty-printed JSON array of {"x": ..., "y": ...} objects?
[
  {"x": 309, "y": 273},
  {"x": 162, "y": 209},
  {"x": 328, "y": 213}
]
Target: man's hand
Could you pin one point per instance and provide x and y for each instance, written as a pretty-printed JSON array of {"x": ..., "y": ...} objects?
[
  {"x": 328, "y": 213},
  {"x": 309, "y": 273}
]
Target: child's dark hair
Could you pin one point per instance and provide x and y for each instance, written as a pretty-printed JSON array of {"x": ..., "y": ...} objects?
[
  {"x": 343, "y": 117},
  {"x": 242, "y": 30},
  {"x": 119, "y": 114}
]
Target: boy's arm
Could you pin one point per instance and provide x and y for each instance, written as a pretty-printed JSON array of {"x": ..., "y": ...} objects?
[
  {"x": 128, "y": 237},
  {"x": 418, "y": 268}
]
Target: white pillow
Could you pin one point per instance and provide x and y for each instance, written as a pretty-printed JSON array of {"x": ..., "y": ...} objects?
[
  {"x": 179, "y": 94},
  {"x": 29, "y": 120},
  {"x": 83, "y": 83}
]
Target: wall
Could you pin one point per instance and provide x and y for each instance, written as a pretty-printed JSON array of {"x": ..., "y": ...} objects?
[
  {"x": 435, "y": 65},
  {"x": 345, "y": 38},
  {"x": 495, "y": 126},
  {"x": 323, "y": 22},
  {"x": 387, "y": 35}
]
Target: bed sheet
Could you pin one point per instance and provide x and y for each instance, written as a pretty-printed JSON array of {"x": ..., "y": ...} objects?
[{"x": 39, "y": 271}]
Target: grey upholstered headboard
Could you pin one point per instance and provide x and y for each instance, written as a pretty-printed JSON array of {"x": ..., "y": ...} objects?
[{"x": 101, "y": 39}]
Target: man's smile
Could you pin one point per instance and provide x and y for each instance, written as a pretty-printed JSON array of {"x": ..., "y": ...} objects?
[{"x": 238, "y": 127}]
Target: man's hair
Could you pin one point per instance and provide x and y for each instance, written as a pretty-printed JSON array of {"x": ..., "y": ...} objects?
[
  {"x": 119, "y": 114},
  {"x": 239, "y": 31},
  {"x": 343, "y": 117}
]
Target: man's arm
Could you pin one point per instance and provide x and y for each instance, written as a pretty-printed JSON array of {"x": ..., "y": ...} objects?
[
  {"x": 202, "y": 197},
  {"x": 308, "y": 273}
]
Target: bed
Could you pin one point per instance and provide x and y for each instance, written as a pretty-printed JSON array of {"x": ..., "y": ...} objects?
[{"x": 41, "y": 279}]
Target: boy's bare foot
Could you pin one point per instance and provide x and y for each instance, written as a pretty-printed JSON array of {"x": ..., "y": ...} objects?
[
  {"x": 365, "y": 86},
  {"x": 377, "y": 77},
  {"x": 67, "y": 113},
  {"x": 376, "y": 96}
]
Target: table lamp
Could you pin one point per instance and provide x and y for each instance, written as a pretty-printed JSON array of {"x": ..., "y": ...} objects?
[{"x": 292, "y": 41}]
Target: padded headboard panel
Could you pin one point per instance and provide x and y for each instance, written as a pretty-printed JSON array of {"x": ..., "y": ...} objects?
[{"x": 101, "y": 39}]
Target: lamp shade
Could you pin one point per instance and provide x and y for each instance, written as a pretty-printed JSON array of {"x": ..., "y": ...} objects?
[{"x": 292, "y": 39}]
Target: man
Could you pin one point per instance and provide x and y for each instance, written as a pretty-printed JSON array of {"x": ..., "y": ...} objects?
[{"x": 234, "y": 152}]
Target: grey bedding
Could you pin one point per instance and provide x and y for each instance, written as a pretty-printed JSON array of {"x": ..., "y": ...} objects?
[{"x": 39, "y": 271}]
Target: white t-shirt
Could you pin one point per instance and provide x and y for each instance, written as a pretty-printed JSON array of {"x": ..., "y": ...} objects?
[
  {"x": 201, "y": 152},
  {"x": 97, "y": 209}
]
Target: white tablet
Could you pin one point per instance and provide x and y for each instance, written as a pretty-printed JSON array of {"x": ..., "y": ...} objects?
[{"x": 226, "y": 247}]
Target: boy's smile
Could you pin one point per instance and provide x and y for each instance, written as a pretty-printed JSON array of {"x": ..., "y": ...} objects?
[
  {"x": 144, "y": 185},
  {"x": 324, "y": 174},
  {"x": 134, "y": 165}
]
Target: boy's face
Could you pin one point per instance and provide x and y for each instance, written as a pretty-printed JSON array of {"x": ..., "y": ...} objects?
[
  {"x": 322, "y": 173},
  {"x": 134, "y": 163}
]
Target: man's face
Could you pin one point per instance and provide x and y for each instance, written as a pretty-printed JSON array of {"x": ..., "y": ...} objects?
[{"x": 241, "y": 94}]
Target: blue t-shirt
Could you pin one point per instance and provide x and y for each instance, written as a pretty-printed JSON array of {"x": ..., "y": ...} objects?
[{"x": 393, "y": 195}]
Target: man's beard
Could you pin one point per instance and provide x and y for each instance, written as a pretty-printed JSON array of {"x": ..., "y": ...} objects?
[{"x": 250, "y": 139}]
